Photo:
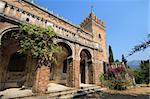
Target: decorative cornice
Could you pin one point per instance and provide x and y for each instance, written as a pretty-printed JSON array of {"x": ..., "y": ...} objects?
[
  {"x": 55, "y": 15},
  {"x": 50, "y": 12}
]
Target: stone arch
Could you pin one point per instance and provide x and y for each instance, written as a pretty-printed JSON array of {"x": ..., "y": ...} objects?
[
  {"x": 88, "y": 50},
  {"x": 86, "y": 67},
  {"x": 85, "y": 53},
  {"x": 6, "y": 30},
  {"x": 60, "y": 71},
  {"x": 68, "y": 48},
  {"x": 65, "y": 42},
  {"x": 8, "y": 51}
]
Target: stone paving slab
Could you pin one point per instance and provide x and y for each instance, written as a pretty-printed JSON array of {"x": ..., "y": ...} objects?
[
  {"x": 15, "y": 92},
  {"x": 53, "y": 88}
]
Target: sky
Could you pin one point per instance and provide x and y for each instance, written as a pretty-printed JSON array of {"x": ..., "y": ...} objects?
[{"x": 127, "y": 22}]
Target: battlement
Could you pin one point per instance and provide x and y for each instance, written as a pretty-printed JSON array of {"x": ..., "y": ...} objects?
[{"x": 93, "y": 17}]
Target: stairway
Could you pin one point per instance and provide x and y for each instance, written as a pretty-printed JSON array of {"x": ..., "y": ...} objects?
[{"x": 72, "y": 93}]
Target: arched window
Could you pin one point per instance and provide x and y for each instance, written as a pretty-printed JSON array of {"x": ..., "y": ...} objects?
[
  {"x": 99, "y": 36},
  {"x": 17, "y": 62}
]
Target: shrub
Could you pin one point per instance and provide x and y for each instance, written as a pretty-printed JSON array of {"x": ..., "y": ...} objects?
[
  {"x": 113, "y": 83},
  {"x": 117, "y": 78},
  {"x": 142, "y": 73}
]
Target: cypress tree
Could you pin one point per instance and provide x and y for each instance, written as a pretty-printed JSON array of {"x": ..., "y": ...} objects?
[
  {"x": 111, "y": 58},
  {"x": 123, "y": 59}
]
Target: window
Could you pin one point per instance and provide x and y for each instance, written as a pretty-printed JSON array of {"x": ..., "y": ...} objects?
[{"x": 99, "y": 36}]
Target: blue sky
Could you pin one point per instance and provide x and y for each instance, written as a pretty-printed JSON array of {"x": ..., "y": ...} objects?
[{"x": 127, "y": 22}]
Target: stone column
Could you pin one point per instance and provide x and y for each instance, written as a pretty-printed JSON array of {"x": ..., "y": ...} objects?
[
  {"x": 73, "y": 72},
  {"x": 90, "y": 72},
  {"x": 42, "y": 79},
  {"x": 69, "y": 73},
  {"x": 97, "y": 66},
  {"x": 98, "y": 70},
  {"x": 76, "y": 73},
  {"x": 86, "y": 72}
]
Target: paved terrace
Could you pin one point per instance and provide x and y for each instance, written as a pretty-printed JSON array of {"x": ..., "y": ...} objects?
[{"x": 54, "y": 90}]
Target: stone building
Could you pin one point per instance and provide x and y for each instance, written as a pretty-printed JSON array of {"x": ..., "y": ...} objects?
[{"x": 84, "y": 47}]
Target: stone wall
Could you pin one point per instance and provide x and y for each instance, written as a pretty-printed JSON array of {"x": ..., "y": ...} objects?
[
  {"x": 90, "y": 36},
  {"x": 27, "y": 12}
]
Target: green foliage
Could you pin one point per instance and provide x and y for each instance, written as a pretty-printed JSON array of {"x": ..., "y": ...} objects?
[
  {"x": 123, "y": 59},
  {"x": 111, "y": 58},
  {"x": 142, "y": 73},
  {"x": 138, "y": 76},
  {"x": 37, "y": 41},
  {"x": 117, "y": 61},
  {"x": 145, "y": 68}
]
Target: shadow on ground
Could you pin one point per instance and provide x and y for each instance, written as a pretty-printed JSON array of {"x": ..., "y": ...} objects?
[{"x": 100, "y": 95}]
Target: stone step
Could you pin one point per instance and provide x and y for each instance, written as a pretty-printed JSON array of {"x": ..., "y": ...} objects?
[
  {"x": 77, "y": 94},
  {"x": 61, "y": 93},
  {"x": 91, "y": 88},
  {"x": 67, "y": 93},
  {"x": 73, "y": 92}
]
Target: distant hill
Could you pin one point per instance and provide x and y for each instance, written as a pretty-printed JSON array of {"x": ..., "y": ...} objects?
[{"x": 134, "y": 63}]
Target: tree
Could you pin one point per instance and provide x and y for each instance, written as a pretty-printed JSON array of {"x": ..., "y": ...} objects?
[
  {"x": 142, "y": 74},
  {"x": 138, "y": 76},
  {"x": 124, "y": 60},
  {"x": 117, "y": 60},
  {"x": 37, "y": 41},
  {"x": 145, "y": 68},
  {"x": 111, "y": 59}
]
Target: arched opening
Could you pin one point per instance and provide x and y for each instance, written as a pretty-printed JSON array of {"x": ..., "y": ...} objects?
[
  {"x": 86, "y": 69},
  {"x": 59, "y": 71},
  {"x": 17, "y": 62},
  {"x": 16, "y": 70},
  {"x": 14, "y": 66}
]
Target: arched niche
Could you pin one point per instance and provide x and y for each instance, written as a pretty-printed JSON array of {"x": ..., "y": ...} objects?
[
  {"x": 86, "y": 67},
  {"x": 14, "y": 66},
  {"x": 59, "y": 70}
]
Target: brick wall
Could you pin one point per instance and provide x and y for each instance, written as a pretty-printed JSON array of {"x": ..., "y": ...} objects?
[{"x": 42, "y": 79}]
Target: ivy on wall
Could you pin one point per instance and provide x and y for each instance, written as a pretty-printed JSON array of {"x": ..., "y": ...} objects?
[{"x": 37, "y": 41}]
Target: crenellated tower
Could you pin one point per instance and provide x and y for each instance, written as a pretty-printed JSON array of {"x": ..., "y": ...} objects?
[{"x": 96, "y": 27}]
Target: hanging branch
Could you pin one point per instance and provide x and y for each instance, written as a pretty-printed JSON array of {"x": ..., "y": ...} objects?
[{"x": 140, "y": 47}]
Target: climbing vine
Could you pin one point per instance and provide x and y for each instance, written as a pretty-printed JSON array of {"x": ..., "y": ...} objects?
[{"x": 37, "y": 41}]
